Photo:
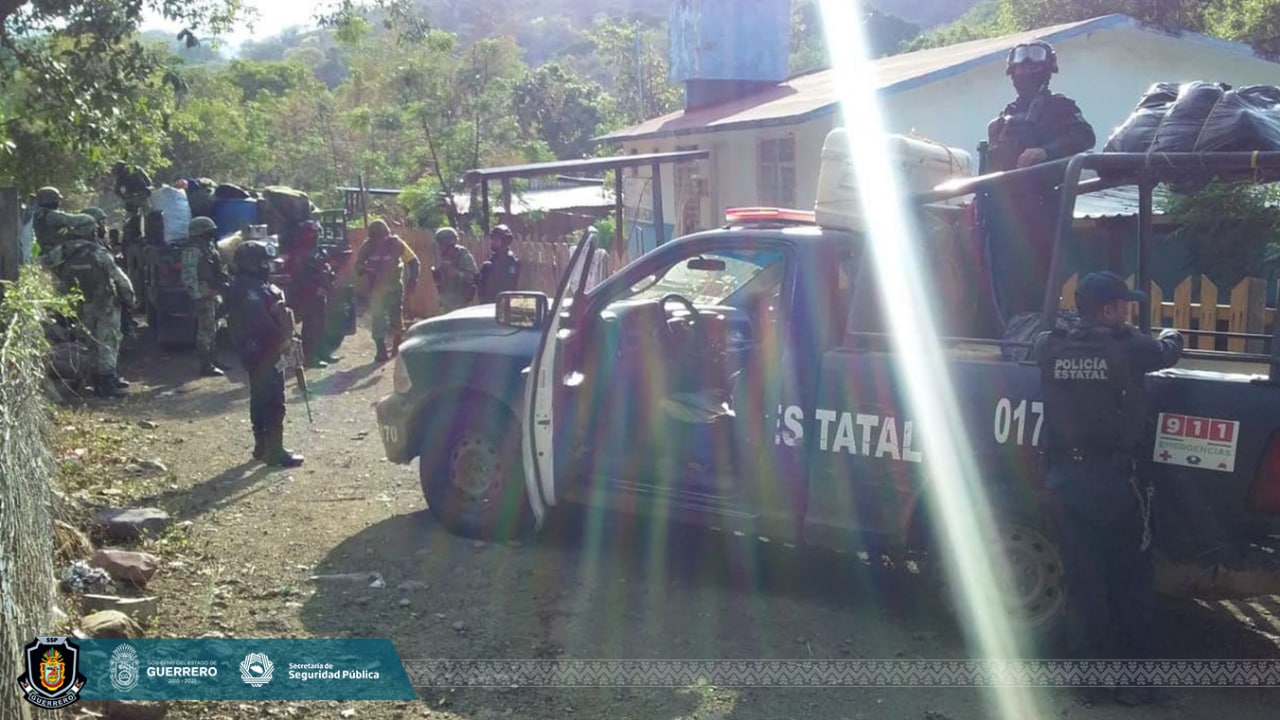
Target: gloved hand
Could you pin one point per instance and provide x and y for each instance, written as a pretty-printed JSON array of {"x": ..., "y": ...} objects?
[{"x": 1171, "y": 334}]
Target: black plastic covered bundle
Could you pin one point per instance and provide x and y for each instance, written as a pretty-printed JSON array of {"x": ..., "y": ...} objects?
[
  {"x": 1201, "y": 117},
  {"x": 1137, "y": 132}
]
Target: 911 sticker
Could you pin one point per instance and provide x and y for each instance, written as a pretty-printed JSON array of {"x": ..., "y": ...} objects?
[{"x": 1197, "y": 442}]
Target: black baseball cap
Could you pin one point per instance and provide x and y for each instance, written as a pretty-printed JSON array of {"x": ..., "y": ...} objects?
[{"x": 1101, "y": 288}]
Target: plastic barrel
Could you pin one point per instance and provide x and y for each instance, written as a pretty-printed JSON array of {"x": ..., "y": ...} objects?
[{"x": 231, "y": 215}]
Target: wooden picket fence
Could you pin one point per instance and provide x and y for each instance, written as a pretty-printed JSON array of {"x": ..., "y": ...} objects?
[
  {"x": 542, "y": 263},
  {"x": 1241, "y": 309}
]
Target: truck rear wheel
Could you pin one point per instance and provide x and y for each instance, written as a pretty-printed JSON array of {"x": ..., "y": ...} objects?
[
  {"x": 1031, "y": 584},
  {"x": 471, "y": 472}
]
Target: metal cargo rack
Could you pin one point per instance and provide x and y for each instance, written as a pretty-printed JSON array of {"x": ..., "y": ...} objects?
[{"x": 1146, "y": 171}]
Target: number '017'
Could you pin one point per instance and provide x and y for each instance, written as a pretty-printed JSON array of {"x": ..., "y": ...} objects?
[{"x": 1011, "y": 421}]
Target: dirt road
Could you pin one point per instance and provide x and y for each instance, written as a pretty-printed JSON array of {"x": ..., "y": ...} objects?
[{"x": 593, "y": 587}]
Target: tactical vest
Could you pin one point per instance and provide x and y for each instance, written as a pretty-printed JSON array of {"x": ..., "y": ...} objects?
[
  {"x": 1019, "y": 131},
  {"x": 191, "y": 270},
  {"x": 384, "y": 261},
  {"x": 81, "y": 268},
  {"x": 1091, "y": 401},
  {"x": 249, "y": 319}
]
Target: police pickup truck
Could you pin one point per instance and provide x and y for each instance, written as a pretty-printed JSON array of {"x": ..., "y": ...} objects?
[{"x": 742, "y": 378}]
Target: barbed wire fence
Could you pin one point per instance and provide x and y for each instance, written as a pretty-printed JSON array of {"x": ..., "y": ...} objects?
[{"x": 27, "y": 580}]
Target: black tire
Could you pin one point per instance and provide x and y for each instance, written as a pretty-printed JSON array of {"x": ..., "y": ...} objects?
[
  {"x": 471, "y": 472},
  {"x": 1029, "y": 569}
]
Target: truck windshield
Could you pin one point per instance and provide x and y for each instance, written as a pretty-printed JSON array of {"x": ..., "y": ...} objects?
[{"x": 710, "y": 278}]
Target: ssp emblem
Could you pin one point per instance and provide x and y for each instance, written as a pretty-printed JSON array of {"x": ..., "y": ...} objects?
[{"x": 52, "y": 679}]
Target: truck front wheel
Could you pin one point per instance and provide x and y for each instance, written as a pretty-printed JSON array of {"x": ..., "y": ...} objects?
[{"x": 471, "y": 471}]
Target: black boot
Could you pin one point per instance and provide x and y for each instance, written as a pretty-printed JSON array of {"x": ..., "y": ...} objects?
[
  {"x": 382, "y": 352},
  {"x": 122, "y": 383},
  {"x": 105, "y": 386},
  {"x": 274, "y": 452},
  {"x": 259, "y": 445},
  {"x": 208, "y": 368}
]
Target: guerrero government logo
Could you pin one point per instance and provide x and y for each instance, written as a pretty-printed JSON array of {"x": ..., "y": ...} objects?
[
  {"x": 256, "y": 669},
  {"x": 124, "y": 668},
  {"x": 52, "y": 679}
]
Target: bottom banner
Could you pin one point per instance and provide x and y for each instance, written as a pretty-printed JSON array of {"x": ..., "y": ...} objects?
[{"x": 223, "y": 669}]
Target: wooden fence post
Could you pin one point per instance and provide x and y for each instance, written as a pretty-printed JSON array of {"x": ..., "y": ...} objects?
[
  {"x": 1248, "y": 314},
  {"x": 1208, "y": 314},
  {"x": 1067, "y": 300}
]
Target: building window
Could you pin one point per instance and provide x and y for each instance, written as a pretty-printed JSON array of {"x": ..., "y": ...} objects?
[{"x": 778, "y": 172}]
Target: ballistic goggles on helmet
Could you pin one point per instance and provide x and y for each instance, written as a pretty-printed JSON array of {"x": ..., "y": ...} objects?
[
  {"x": 1029, "y": 53},
  {"x": 1036, "y": 53}
]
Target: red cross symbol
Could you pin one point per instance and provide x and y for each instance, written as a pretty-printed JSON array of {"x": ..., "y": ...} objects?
[{"x": 1164, "y": 455}]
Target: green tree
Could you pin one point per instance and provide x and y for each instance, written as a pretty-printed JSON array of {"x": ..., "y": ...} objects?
[
  {"x": 221, "y": 129},
  {"x": 562, "y": 109},
  {"x": 983, "y": 20},
  {"x": 1256, "y": 22},
  {"x": 885, "y": 34},
  {"x": 77, "y": 75},
  {"x": 628, "y": 57}
]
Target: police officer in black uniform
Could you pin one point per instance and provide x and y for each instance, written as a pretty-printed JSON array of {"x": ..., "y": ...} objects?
[
  {"x": 501, "y": 272},
  {"x": 1095, "y": 417},
  {"x": 1038, "y": 126},
  {"x": 262, "y": 330}
]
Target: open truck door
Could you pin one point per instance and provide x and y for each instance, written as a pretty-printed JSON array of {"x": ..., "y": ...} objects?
[{"x": 543, "y": 388}]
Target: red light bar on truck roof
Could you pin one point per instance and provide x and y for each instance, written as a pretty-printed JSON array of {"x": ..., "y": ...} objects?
[{"x": 745, "y": 215}]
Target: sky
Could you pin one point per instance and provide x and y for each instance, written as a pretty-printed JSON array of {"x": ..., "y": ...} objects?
[{"x": 273, "y": 17}]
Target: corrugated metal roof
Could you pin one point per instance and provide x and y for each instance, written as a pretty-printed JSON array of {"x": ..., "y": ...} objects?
[
  {"x": 584, "y": 196},
  {"x": 816, "y": 93},
  {"x": 1117, "y": 202}
]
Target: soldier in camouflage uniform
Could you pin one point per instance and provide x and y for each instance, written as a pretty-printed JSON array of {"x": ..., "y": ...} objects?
[
  {"x": 52, "y": 226},
  {"x": 381, "y": 263},
  {"x": 128, "y": 325},
  {"x": 100, "y": 231},
  {"x": 205, "y": 279},
  {"x": 82, "y": 262},
  {"x": 456, "y": 274}
]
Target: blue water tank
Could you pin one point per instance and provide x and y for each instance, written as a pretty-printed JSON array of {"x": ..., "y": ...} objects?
[
  {"x": 232, "y": 215},
  {"x": 729, "y": 40}
]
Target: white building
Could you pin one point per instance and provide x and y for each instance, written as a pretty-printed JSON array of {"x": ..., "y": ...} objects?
[{"x": 766, "y": 146}]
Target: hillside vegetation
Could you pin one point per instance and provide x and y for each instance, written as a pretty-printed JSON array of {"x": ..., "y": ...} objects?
[{"x": 412, "y": 93}]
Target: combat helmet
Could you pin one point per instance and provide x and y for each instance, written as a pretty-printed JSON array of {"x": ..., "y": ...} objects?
[
  {"x": 503, "y": 232},
  {"x": 254, "y": 257},
  {"x": 200, "y": 227},
  {"x": 446, "y": 236},
  {"x": 1037, "y": 52},
  {"x": 48, "y": 197}
]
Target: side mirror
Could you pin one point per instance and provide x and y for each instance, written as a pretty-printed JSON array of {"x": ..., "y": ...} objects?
[
  {"x": 706, "y": 264},
  {"x": 521, "y": 309}
]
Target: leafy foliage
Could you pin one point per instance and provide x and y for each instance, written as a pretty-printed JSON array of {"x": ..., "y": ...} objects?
[
  {"x": 885, "y": 34},
  {"x": 980, "y": 21},
  {"x": 1233, "y": 230},
  {"x": 561, "y": 109},
  {"x": 78, "y": 80},
  {"x": 925, "y": 13}
]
